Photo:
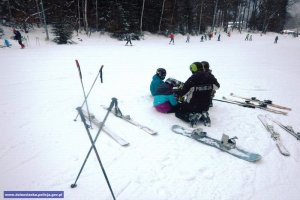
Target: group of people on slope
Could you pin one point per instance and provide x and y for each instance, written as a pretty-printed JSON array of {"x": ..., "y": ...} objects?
[{"x": 190, "y": 101}]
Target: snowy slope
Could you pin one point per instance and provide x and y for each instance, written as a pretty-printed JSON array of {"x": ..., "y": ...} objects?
[{"x": 42, "y": 148}]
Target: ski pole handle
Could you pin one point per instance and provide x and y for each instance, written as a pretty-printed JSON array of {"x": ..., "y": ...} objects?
[
  {"x": 100, "y": 71},
  {"x": 78, "y": 67}
]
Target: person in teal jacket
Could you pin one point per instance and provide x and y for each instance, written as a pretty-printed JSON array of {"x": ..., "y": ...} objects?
[
  {"x": 165, "y": 101},
  {"x": 157, "y": 80}
]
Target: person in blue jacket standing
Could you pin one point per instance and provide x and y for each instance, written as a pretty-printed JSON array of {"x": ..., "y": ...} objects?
[
  {"x": 165, "y": 100},
  {"x": 157, "y": 80}
]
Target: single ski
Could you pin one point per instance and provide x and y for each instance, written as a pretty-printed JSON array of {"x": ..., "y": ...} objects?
[
  {"x": 227, "y": 144},
  {"x": 274, "y": 135},
  {"x": 116, "y": 111},
  {"x": 105, "y": 129},
  {"x": 264, "y": 102},
  {"x": 288, "y": 129},
  {"x": 263, "y": 107}
]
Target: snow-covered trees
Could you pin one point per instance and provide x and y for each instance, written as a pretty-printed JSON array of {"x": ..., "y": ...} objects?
[{"x": 135, "y": 16}]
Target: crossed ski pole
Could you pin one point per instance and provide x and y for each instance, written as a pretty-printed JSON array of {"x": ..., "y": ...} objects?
[
  {"x": 113, "y": 102},
  {"x": 84, "y": 94},
  {"x": 85, "y": 99}
]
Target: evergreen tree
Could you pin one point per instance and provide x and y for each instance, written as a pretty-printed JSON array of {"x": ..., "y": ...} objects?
[{"x": 62, "y": 27}]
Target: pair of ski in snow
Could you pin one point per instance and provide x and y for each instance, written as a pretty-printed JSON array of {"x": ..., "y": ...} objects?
[
  {"x": 267, "y": 121},
  {"x": 253, "y": 102},
  {"x": 118, "y": 114}
]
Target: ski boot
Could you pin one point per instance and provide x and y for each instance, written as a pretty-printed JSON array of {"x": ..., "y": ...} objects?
[
  {"x": 227, "y": 142},
  {"x": 211, "y": 104},
  {"x": 205, "y": 119},
  {"x": 194, "y": 118}
]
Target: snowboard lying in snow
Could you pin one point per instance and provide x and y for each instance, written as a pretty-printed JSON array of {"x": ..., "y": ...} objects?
[{"x": 226, "y": 144}]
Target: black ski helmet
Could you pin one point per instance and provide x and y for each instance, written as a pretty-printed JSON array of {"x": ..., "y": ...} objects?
[
  {"x": 196, "y": 66},
  {"x": 161, "y": 73},
  {"x": 206, "y": 65}
]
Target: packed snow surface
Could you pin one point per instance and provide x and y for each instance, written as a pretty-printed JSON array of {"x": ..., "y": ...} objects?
[{"x": 42, "y": 147}]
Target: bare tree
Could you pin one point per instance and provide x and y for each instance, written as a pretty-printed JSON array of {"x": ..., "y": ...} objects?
[
  {"x": 97, "y": 18},
  {"x": 44, "y": 18},
  {"x": 161, "y": 15},
  {"x": 39, "y": 12},
  {"x": 141, "y": 23},
  {"x": 85, "y": 17},
  {"x": 200, "y": 16},
  {"x": 214, "y": 17},
  {"x": 9, "y": 10},
  {"x": 173, "y": 12},
  {"x": 79, "y": 18}
]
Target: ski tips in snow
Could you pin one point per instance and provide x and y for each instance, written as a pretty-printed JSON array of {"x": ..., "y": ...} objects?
[
  {"x": 287, "y": 128},
  {"x": 274, "y": 135}
]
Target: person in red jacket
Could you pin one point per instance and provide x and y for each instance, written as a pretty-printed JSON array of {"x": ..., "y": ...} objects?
[{"x": 171, "y": 36}]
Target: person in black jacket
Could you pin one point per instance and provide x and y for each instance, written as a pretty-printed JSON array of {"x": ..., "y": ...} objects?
[
  {"x": 207, "y": 69},
  {"x": 198, "y": 93},
  {"x": 18, "y": 37}
]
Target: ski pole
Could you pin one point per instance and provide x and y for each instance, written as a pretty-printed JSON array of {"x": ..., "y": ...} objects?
[
  {"x": 113, "y": 102},
  {"x": 85, "y": 97},
  {"x": 100, "y": 72}
]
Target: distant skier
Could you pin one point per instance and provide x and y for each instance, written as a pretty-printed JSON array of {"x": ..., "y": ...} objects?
[
  {"x": 128, "y": 39},
  {"x": 171, "y": 36},
  {"x": 157, "y": 80},
  {"x": 210, "y": 35},
  {"x": 188, "y": 38},
  {"x": 202, "y": 38},
  {"x": 18, "y": 37},
  {"x": 247, "y": 37},
  {"x": 276, "y": 39},
  {"x": 219, "y": 37}
]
